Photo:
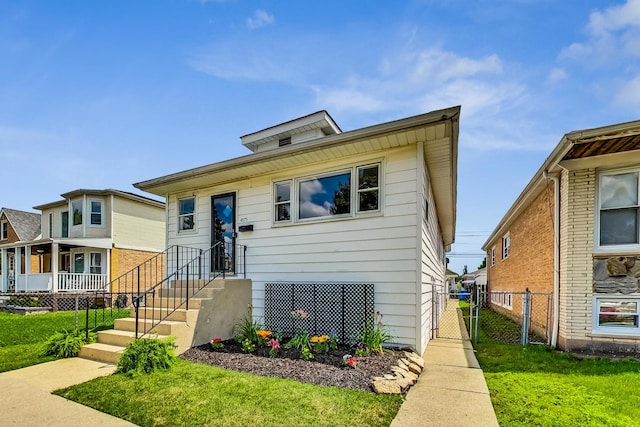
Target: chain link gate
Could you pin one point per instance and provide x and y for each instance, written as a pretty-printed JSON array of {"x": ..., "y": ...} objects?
[{"x": 508, "y": 317}]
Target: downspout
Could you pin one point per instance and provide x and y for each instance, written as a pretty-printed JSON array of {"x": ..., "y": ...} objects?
[{"x": 556, "y": 259}]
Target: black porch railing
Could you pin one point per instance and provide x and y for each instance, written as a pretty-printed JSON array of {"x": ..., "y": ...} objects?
[{"x": 161, "y": 285}]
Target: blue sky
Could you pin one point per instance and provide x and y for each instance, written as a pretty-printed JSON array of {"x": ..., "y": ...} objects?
[{"x": 102, "y": 94}]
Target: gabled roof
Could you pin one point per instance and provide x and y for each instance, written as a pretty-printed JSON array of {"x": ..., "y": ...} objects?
[
  {"x": 25, "y": 224},
  {"x": 617, "y": 144},
  {"x": 437, "y": 129}
]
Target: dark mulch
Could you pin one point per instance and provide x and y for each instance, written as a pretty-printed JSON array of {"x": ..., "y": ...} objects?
[{"x": 323, "y": 369}]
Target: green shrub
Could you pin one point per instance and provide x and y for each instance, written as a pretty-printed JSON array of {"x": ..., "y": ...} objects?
[
  {"x": 375, "y": 334},
  {"x": 247, "y": 328},
  {"x": 147, "y": 355},
  {"x": 66, "y": 344}
]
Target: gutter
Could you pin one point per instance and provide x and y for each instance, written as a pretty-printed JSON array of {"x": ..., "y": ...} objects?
[{"x": 556, "y": 259}]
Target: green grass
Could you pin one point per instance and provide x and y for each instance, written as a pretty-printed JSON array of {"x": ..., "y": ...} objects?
[
  {"x": 536, "y": 386},
  {"x": 22, "y": 338},
  {"x": 202, "y": 395}
]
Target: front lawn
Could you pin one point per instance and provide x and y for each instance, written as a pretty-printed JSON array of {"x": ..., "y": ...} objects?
[
  {"x": 202, "y": 395},
  {"x": 536, "y": 386},
  {"x": 22, "y": 338}
]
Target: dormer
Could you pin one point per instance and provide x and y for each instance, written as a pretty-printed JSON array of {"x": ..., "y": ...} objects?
[{"x": 296, "y": 131}]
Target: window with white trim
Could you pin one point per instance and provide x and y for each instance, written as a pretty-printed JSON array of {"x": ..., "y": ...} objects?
[
  {"x": 76, "y": 212},
  {"x": 50, "y": 225},
  {"x": 64, "y": 224},
  {"x": 502, "y": 299},
  {"x": 344, "y": 193},
  {"x": 506, "y": 246},
  {"x": 616, "y": 315},
  {"x": 4, "y": 230},
  {"x": 618, "y": 208},
  {"x": 493, "y": 255},
  {"x": 282, "y": 201},
  {"x": 95, "y": 263},
  {"x": 186, "y": 213},
  {"x": 96, "y": 212}
]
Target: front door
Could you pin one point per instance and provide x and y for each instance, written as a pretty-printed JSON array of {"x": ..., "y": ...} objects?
[{"x": 223, "y": 232}]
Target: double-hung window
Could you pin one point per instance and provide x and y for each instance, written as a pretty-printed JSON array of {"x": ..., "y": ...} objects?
[
  {"x": 618, "y": 209},
  {"x": 186, "y": 214},
  {"x": 95, "y": 263},
  {"x": 506, "y": 246},
  {"x": 343, "y": 193},
  {"x": 493, "y": 255},
  {"x": 4, "y": 230},
  {"x": 96, "y": 212}
]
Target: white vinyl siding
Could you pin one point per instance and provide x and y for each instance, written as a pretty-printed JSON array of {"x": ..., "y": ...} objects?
[
  {"x": 379, "y": 249},
  {"x": 138, "y": 225}
]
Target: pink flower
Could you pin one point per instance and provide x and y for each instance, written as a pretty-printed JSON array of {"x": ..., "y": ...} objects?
[{"x": 274, "y": 344}]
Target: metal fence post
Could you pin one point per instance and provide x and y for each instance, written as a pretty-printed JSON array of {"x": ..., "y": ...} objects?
[
  {"x": 86, "y": 334},
  {"x": 475, "y": 335},
  {"x": 526, "y": 316}
]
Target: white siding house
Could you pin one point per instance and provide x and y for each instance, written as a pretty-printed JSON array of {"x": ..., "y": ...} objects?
[{"x": 314, "y": 204}]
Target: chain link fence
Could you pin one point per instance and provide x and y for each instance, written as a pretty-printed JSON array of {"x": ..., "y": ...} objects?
[
  {"x": 88, "y": 310},
  {"x": 507, "y": 317}
]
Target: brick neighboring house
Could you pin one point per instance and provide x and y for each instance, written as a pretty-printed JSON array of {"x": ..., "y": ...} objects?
[
  {"x": 83, "y": 241},
  {"x": 573, "y": 232}
]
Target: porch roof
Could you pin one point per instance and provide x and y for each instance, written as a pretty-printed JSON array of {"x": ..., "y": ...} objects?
[
  {"x": 438, "y": 130},
  {"x": 101, "y": 243}
]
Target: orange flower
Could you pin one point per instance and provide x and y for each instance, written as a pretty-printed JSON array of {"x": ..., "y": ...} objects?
[{"x": 264, "y": 334}]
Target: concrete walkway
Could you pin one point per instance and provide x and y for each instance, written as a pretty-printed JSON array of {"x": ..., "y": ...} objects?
[
  {"x": 451, "y": 390},
  {"x": 27, "y": 398}
]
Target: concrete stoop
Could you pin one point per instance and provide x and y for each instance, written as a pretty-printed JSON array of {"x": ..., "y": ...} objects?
[{"x": 212, "y": 313}]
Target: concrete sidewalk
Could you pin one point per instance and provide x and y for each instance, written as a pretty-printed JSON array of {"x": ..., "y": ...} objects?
[
  {"x": 451, "y": 391},
  {"x": 27, "y": 398}
]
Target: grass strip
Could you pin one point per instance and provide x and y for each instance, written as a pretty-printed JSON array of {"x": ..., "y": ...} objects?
[{"x": 195, "y": 394}]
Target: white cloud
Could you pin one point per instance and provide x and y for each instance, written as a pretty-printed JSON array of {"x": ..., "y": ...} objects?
[
  {"x": 259, "y": 19},
  {"x": 556, "y": 75},
  {"x": 615, "y": 18},
  {"x": 628, "y": 94}
]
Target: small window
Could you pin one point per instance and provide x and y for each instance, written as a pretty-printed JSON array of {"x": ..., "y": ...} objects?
[
  {"x": 282, "y": 202},
  {"x": 325, "y": 196},
  {"x": 622, "y": 315},
  {"x": 50, "y": 225},
  {"x": 95, "y": 266},
  {"x": 506, "y": 246},
  {"x": 186, "y": 213},
  {"x": 96, "y": 212},
  {"x": 284, "y": 141},
  {"x": 76, "y": 209},
  {"x": 64, "y": 221},
  {"x": 368, "y": 188},
  {"x": 493, "y": 255},
  {"x": 4, "y": 230}
]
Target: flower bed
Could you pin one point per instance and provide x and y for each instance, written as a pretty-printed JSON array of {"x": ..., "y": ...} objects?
[{"x": 325, "y": 369}]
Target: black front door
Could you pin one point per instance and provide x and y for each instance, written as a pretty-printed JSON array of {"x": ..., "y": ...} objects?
[{"x": 223, "y": 232}]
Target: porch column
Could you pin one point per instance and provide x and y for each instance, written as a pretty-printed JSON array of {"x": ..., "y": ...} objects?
[
  {"x": 108, "y": 268},
  {"x": 27, "y": 266},
  {"x": 18, "y": 265},
  {"x": 5, "y": 270},
  {"x": 54, "y": 265}
]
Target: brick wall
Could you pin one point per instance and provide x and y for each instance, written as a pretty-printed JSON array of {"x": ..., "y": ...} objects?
[
  {"x": 125, "y": 260},
  {"x": 530, "y": 260}
]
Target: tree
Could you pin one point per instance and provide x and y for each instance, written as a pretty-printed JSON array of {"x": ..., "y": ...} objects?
[
  {"x": 483, "y": 264},
  {"x": 464, "y": 270}
]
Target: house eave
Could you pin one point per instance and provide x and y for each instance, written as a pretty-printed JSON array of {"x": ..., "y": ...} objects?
[{"x": 380, "y": 137}]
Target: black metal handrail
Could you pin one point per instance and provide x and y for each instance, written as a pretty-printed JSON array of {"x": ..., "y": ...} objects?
[{"x": 139, "y": 287}]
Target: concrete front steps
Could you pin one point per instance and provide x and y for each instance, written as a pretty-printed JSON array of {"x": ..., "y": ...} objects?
[{"x": 212, "y": 313}]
